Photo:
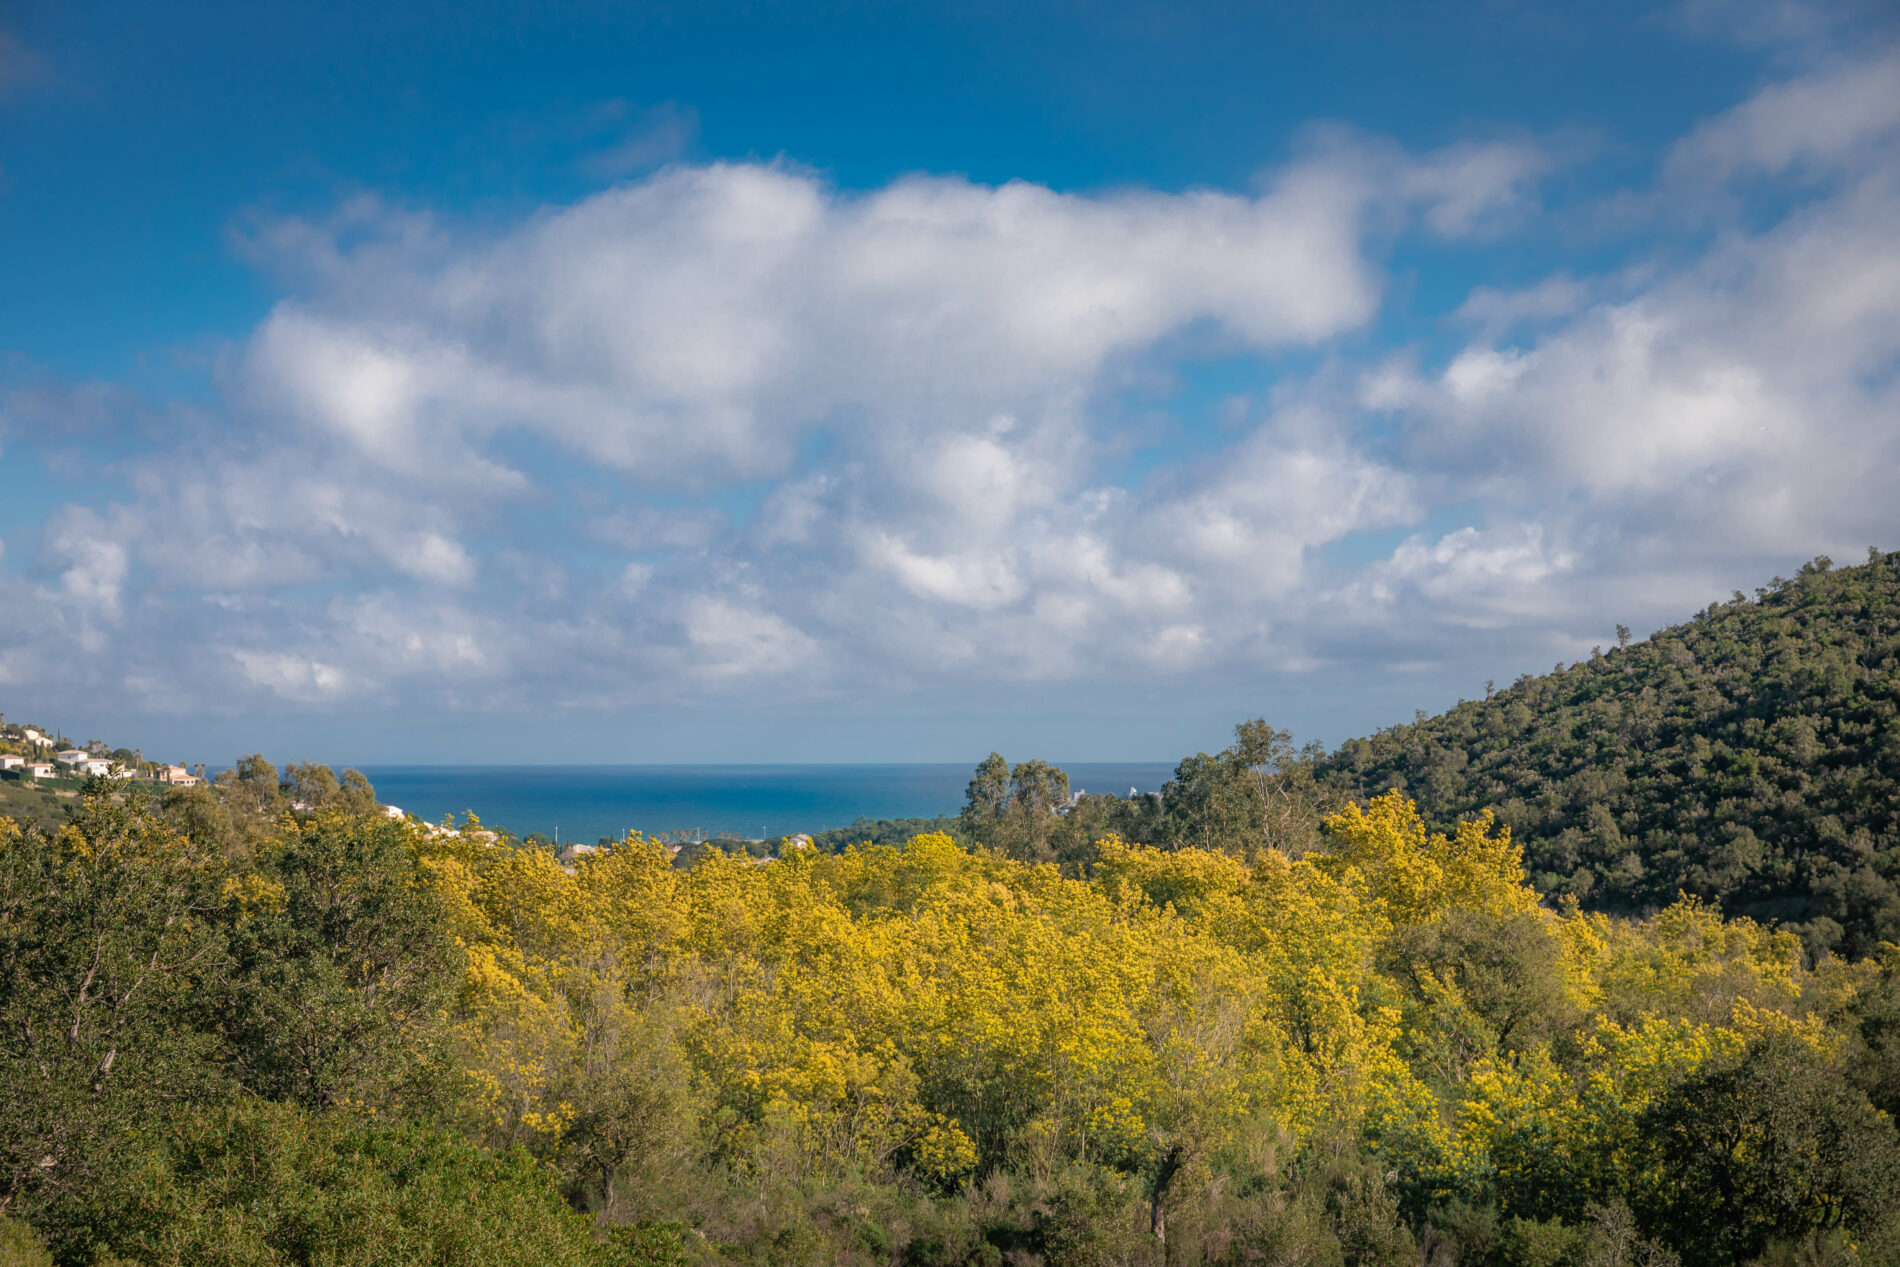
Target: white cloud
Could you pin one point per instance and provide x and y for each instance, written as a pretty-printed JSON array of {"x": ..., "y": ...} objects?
[
  {"x": 291, "y": 676},
  {"x": 1475, "y": 188},
  {"x": 982, "y": 578},
  {"x": 1818, "y": 121},
  {"x": 1496, "y": 310},
  {"x": 1477, "y": 577},
  {"x": 736, "y": 641},
  {"x": 92, "y": 565},
  {"x": 693, "y": 323},
  {"x": 745, "y": 436},
  {"x": 433, "y": 557}
]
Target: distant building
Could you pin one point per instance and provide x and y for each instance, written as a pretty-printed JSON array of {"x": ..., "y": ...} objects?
[
  {"x": 11, "y": 760},
  {"x": 40, "y": 770},
  {"x": 176, "y": 776},
  {"x": 31, "y": 735},
  {"x": 799, "y": 841},
  {"x": 392, "y": 811},
  {"x": 79, "y": 762},
  {"x": 574, "y": 853}
]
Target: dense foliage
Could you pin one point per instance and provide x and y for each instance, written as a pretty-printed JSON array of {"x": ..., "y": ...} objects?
[
  {"x": 352, "y": 1040},
  {"x": 1750, "y": 756},
  {"x": 1297, "y": 1008}
]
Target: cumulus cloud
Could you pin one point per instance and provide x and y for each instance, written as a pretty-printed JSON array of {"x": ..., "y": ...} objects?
[
  {"x": 1737, "y": 372},
  {"x": 726, "y": 432},
  {"x": 734, "y": 640},
  {"x": 1475, "y": 577},
  {"x": 290, "y": 676},
  {"x": 92, "y": 566},
  {"x": 693, "y": 324}
]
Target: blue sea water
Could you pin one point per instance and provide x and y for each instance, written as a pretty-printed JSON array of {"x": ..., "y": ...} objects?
[{"x": 585, "y": 803}]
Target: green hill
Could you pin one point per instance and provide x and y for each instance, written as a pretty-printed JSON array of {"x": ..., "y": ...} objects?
[{"x": 1750, "y": 756}]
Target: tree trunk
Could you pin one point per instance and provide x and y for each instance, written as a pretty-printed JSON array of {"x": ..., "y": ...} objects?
[{"x": 1157, "y": 1214}]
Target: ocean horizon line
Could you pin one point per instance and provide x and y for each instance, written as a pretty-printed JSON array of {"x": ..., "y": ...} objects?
[
  {"x": 719, "y": 765},
  {"x": 747, "y": 799}
]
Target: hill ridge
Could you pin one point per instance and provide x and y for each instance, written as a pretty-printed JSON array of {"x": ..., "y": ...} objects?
[{"x": 1750, "y": 755}]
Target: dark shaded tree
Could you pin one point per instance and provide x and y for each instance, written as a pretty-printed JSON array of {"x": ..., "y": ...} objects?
[{"x": 1773, "y": 1145}]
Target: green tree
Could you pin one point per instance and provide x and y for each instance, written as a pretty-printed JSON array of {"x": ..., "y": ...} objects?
[
  {"x": 1876, "y": 1017},
  {"x": 343, "y": 964},
  {"x": 986, "y": 798},
  {"x": 317, "y": 787},
  {"x": 308, "y": 784},
  {"x": 1016, "y": 809},
  {"x": 1503, "y": 970},
  {"x": 355, "y": 795},
  {"x": 1260, "y": 793},
  {"x": 200, "y": 813},
  {"x": 109, "y": 947},
  {"x": 266, "y": 1184},
  {"x": 1775, "y": 1144},
  {"x": 250, "y": 794}
]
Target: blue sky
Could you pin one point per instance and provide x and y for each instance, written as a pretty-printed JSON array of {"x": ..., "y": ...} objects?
[{"x": 849, "y": 382}]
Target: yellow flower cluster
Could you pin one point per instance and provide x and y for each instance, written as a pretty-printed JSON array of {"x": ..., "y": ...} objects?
[{"x": 934, "y": 1010}]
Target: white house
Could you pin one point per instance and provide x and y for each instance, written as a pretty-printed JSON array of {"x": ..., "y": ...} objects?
[
  {"x": 41, "y": 770},
  {"x": 32, "y": 735},
  {"x": 176, "y": 775},
  {"x": 11, "y": 760},
  {"x": 79, "y": 763}
]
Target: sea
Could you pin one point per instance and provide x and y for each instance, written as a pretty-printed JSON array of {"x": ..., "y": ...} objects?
[{"x": 587, "y": 803}]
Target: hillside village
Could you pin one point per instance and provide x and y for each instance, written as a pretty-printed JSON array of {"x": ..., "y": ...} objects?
[
  {"x": 41, "y": 769},
  {"x": 35, "y": 753}
]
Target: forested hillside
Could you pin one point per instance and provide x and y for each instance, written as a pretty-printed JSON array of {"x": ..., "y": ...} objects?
[{"x": 1750, "y": 756}]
